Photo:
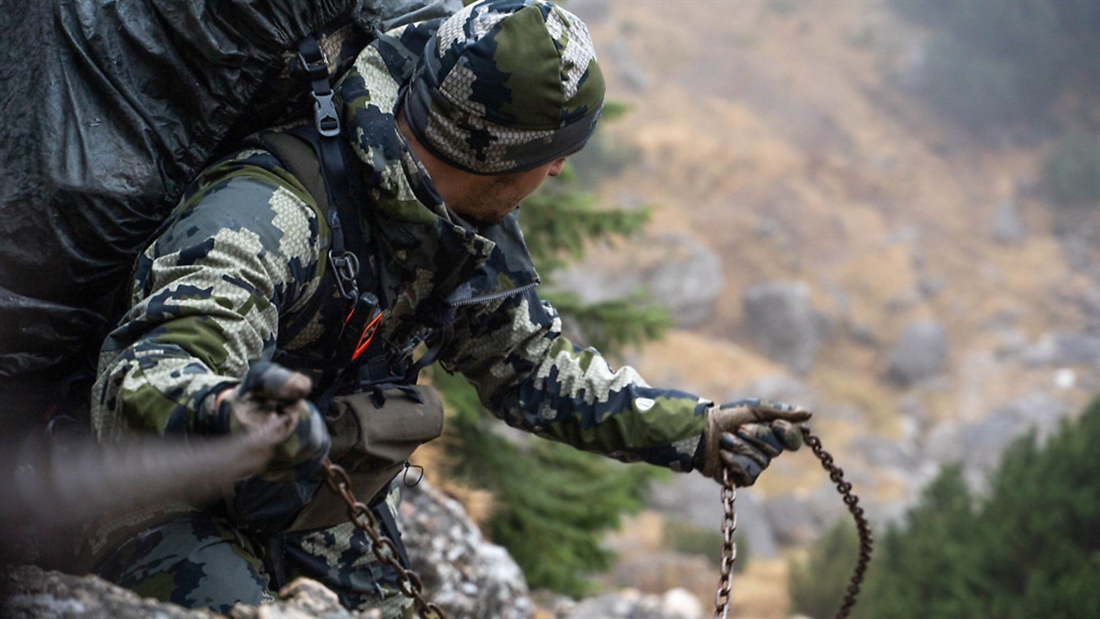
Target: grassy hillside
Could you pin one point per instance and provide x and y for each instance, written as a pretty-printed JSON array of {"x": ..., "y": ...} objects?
[
  {"x": 782, "y": 135},
  {"x": 776, "y": 133}
]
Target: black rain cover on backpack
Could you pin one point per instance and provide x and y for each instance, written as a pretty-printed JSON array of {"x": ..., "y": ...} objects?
[{"x": 109, "y": 108}]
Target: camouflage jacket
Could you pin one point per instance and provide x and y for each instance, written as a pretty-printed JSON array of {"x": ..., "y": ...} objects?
[{"x": 239, "y": 274}]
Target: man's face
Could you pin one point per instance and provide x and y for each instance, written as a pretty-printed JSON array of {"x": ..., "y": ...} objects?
[{"x": 489, "y": 199}]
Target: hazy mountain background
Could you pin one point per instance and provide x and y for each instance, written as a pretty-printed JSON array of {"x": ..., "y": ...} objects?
[{"x": 822, "y": 233}]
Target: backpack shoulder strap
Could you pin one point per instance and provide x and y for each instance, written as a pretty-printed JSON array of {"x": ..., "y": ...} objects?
[
  {"x": 300, "y": 160},
  {"x": 296, "y": 152}
]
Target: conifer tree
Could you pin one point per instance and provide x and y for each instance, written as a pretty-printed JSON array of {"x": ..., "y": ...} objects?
[
  {"x": 1029, "y": 549},
  {"x": 929, "y": 568},
  {"x": 1043, "y": 521}
]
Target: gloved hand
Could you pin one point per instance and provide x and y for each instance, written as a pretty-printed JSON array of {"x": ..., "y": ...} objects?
[
  {"x": 746, "y": 435},
  {"x": 271, "y": 390}
]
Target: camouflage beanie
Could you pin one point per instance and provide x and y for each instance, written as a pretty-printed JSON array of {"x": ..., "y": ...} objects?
[{"x": 506, "y": 86}]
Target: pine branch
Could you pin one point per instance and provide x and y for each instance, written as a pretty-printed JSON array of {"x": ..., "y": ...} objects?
[{"x": 559, "y": 224}]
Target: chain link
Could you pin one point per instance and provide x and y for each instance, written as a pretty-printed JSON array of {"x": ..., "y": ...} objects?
[
  {"x": 408, "y": 581},
  {"x": 729, "y": 526},
  {"x": 729, "y": 546}
]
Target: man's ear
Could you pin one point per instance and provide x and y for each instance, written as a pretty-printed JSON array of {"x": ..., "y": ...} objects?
[{"x": 556, "y": 167}]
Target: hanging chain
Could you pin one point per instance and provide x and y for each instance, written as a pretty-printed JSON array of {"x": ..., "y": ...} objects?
[
  {"x": 836, "y": 474},
  {"x": 408, "y": 581},
  {"x": 729, "y": 547},
  {"x": 729, "y": 526},
  {"x": 411, "y": 586}
]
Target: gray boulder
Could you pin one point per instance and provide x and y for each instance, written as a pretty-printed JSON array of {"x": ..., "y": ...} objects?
[
  {"x": 883, "y": 453},
  {"x": 985, "y": 440},
  {"x": 1063, "y": 347},
  {"x": 782, "y": 322},
  {"x": 921, "y": 353},
  {"x": 689, "y": 498},
  {"x": 980, "y": 445},
  {"x": 29, "y": 591},
  {"x": 696, "y": 501},
  {"x": 591, "y": 12},
  {"x": 1078, "y": 348},
  {"x": 754, "y": 526},
  {"x": 689, "y": 284},
  {"x": 945, "y": 442},
  {"x": 628, "y": 67},
  {"x": 677, "y": 272}
]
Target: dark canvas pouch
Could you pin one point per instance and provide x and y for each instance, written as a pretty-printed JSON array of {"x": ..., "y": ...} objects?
[{"x": 373, "y": 436}]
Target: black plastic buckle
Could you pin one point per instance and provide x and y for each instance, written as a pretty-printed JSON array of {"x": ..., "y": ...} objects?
[
  {"x": 345, "y": 265},
  {"x": 316, "y": 67},
  {"x": 325, "y": 116}
]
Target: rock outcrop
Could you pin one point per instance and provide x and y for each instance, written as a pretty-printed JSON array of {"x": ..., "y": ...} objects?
[{"x": 462, "y": 572}]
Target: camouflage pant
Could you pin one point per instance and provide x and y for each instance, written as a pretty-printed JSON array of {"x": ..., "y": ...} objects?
[{"x": 200, "y": 560}]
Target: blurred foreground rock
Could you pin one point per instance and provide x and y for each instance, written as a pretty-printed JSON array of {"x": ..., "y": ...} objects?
[
  {"x": 461, "y": 571},
  {"x": 32, "y": 592}
]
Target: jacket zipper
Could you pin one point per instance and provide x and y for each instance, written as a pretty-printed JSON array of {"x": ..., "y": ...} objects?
[{"x": 493, "y": 296}]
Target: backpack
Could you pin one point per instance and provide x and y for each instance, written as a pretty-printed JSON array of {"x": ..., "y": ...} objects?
[{"x": 110, "y": 108}]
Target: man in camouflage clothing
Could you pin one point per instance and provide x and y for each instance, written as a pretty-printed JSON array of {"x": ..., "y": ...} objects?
[{"x": 449, "y": 124}]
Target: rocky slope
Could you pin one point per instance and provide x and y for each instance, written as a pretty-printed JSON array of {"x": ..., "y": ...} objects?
[
  {"x": 461, "y": 572},
  {"x": 820, "y": 236}
]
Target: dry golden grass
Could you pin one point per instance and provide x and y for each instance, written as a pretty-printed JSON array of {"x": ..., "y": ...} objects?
[
  {"x": 760, "y": 592},
  {"x": 702, "y": 364},
  {"x": 652, "y": 567}
]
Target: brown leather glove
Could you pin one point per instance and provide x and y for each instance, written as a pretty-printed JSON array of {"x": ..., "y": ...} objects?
[
  {"x": 271, "y": 390},
  {"x": 746, "y": 435}
]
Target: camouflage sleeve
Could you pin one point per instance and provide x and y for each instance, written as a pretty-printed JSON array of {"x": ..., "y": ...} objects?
[
  {"x": 535, "y": 379},
  {"x": 206, "y": 300}
]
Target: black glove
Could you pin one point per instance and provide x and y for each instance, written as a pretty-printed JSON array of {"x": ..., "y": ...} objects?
[
  {"x": 745, "y": 435},
  {"x": 270, "y": 390}
]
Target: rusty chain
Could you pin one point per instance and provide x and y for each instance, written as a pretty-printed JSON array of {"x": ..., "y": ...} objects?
[
  {"x": 729, "y": 526},
  {"x": 410, "y": 585},
  {"x": 408, "y": 581},
  {"x": 836, "y": 474},
  {"x": 729, "y": 546}
]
